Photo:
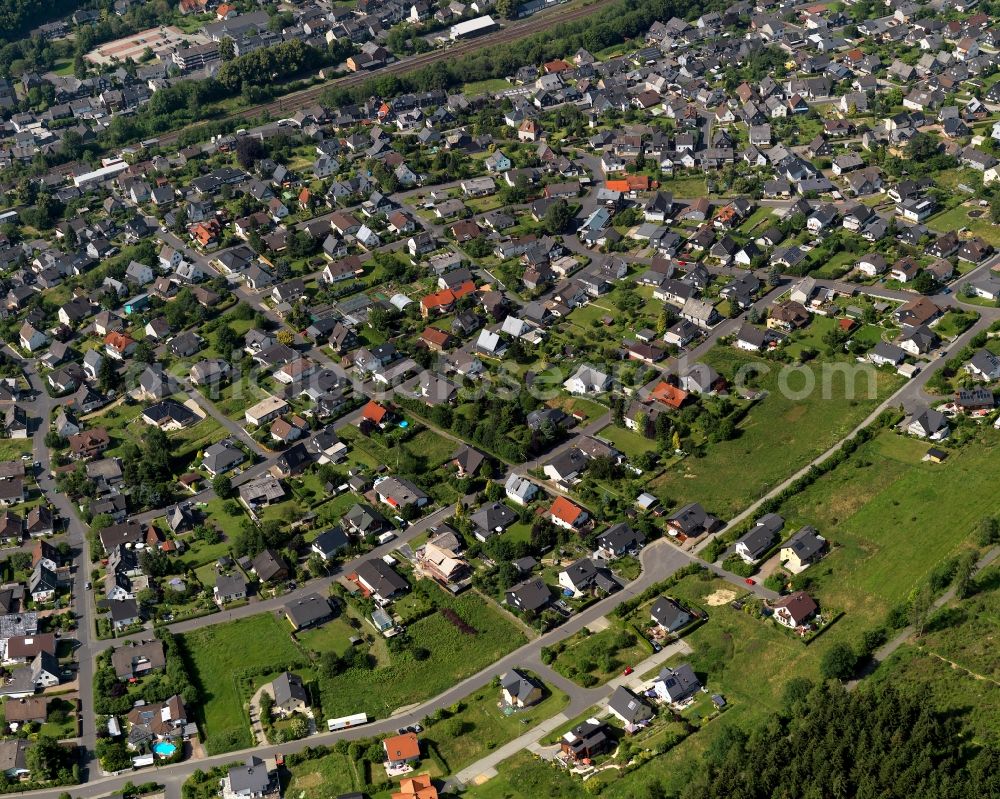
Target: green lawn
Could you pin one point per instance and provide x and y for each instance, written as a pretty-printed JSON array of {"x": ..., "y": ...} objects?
[
  {"x": 491, "y": 86},
  {"x": 450, "y": 657},
  {"x": 591, "y": 659},
  {"x": 628, "y": 441},
  {"x": 215, "y": 655},
  {"x": 324, "y": 778},
  {"x": 587, "y": 408},
  {"x": 778, "y": 436},
  {"x": 216, "y": 514},
  {"x": 892, "y": 517},
  {"x": 524, "y": 776},
  {"x": 954, "y": 323},
  {"x": 334, "y": 636},
  {"x": 686, "y": 187},
  {"x": 956, "y": 218},
  {"x": 233, "y": 399},
  {"x": 482, "y": 726},
  {"x": 13, "y": 448}
]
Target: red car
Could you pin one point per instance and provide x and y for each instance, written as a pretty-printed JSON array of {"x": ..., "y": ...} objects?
[
  {"x": 628, "y": 671},
  {"x": 749, "y": 581}
]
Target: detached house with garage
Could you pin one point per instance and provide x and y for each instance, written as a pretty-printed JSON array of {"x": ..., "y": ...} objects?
[
  {"x": 758, "y": 539},
  {"x": 380, "y": 581},
  {"x": 669, "y": 615}
]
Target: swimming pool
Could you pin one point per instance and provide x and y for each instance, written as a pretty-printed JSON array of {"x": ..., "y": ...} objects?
[{"x": 164, "y": 748}]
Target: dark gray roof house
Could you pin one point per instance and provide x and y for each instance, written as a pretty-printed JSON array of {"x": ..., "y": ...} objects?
[
  {"x": 669, "y": 614},
  {"x": 269, "y": 565},
  {"x": 629, "y": 708},
  {"x": 620, "y": 539},
  {"x": 308, "y": 611},
  {"x": 691, "y": 520},
  {"x": 380, "y": 579},
  {"x": 330, "y": 542},
  {"x": 492, "y": 519},
  {"x": 289, "y": 692},
  {"x": 250, "y": 780},
  {"x": 529, "y": 596},
  {"x": 364, "y": 521},
  {"x": 522, "y": 689},
  {"x": 759, "y": 538},
  {"x": 676, "y": 684}
]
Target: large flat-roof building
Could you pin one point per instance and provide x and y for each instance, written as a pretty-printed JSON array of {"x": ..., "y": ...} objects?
[{"x": 474, "y": 27}]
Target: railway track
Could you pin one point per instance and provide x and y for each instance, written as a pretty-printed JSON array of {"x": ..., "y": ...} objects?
[{"x": 514, "y": 31}]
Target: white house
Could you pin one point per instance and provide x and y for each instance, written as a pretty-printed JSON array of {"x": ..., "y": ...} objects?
[{"x": 587, "y": 380}]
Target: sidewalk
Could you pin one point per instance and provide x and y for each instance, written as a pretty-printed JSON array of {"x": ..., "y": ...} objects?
[{"x": 484, "y": 769}]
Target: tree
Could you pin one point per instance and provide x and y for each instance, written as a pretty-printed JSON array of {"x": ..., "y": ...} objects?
[
  {"x": 557, "y": 218},
  {"x": 227, "y": 340},
  {"x": 987, "y": 531},
  {"x": 223, "y": 487},
  {"x": 507, "y": 8},
  {"x": 248, "y": 150},
  {"x": 45, "y": 758},
  {"x": 920, "y": 608},
  {"x": 838, "y": 662},
  {"x": 285, "y": 336},
  {"x": 144, "y": 352},
  {"x": 965, "y": 571},
  {"x": 108, "y": 378},
  {"x": 378, "y": 319}
]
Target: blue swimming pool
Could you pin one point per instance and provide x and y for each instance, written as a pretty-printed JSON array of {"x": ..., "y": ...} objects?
[{"x": 164, "y": 748}]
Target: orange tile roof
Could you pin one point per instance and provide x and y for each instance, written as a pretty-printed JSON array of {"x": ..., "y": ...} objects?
[
  {"x": 435, "y": 336},
  {"x": 374, "y": 412},
  {"x": 616, "y": 185},
  {"x": 669, "y": 395},
  {"x": 418, "y": 787},
  {"x": 564, "y": 510},
  {"x": 558, "y": 65},
  {"x": 402, "y": 747},
  {"x": 118, "y": 341},
  {"x": 445, "y": 297}
]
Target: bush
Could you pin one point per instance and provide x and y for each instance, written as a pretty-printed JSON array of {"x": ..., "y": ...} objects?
[{"x": 738, "y": 566}]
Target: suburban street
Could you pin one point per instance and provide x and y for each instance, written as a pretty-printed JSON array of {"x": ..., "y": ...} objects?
[{"x": 659, "y": 560}]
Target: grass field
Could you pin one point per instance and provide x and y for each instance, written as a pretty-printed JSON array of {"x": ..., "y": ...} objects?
[
  {"x": 324, "y": 778},
  {"x": 491, "y": 86},
  {"x": 778, "y": 436},
  {"x": 686, "y": 187},
  {"x": 954, "y": 663},
  {"x": 956, "y": 218},
  {"x": 628, "y": 441},
  {"x": 892, "y": 517},
  {"x": 590, "y": 659},
  {"x": 13, "y": 448},
  {"x": 524, "y": 776},
  {"x": 451, "y": 656},
  {"x": 481, "y": 726},
  {"x": 215, "y": 653}
]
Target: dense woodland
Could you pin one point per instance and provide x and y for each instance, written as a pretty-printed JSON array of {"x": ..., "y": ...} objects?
[{"x": 875, "y": 742}]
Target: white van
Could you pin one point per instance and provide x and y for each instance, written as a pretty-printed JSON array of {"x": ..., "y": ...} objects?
[{"x": 385, "y": 538}]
